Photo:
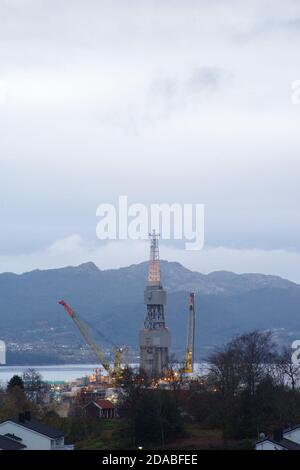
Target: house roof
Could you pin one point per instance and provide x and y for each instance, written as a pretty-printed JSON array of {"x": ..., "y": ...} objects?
[
  {"x": 104, "y": 404},
  {"x": 267, "y": 439},
  {"x": 292, "y": 428},
  {"x": 41, "y": 428},
  {"x": 6, "y": 443},
  {"x": 290, "y": 445},
  {"x": 285, "y": 443}
]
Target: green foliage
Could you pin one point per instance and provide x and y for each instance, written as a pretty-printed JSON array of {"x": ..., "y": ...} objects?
[
  {"x": 246, "y": 444},
  {"x": 13, "y": 402},
  {"x": 15, "y": 381},
  {"x": 204, "y": 406},
  {"x": 153, "y": 418},
  {"x": 76, "y": 428},
  {"x": 113, "y": 435}
]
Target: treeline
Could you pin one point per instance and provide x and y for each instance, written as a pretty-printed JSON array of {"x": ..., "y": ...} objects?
[{"x": 249, "y": 388}]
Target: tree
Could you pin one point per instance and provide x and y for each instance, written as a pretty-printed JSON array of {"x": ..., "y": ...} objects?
[
  {"x": 33, "y": 385},
  {"x": 156, "y": 418},
  {"x": 32, "y": 380},
  {"x": 15, "y": 381},
  {"x": 14, "y": 402},
  {"x": 224, "y": 370},
  {"x": 236, "y": 372},
  {"x": 175, "y": 376},
  {"x": 256, "y": 356},
  {"x": 152, "y": 415},
  {"x": 203, "y": 404},
  {"x": 133, "y": 383},
  {"x": 287, "y": 368},
  {"x": 225, "y": 380}
]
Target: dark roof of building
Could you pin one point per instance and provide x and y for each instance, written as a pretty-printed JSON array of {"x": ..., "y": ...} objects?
[
  {"x": 41, "y": 428},
  {"x": 292, "y": 428},
  {"x": 286, "y": 443},
  {"x": 6, "y": 443},
  {"x": 265, "y": 439},
  {"x": 105, "y": 404},
  {"x": 290, "y": 445}
]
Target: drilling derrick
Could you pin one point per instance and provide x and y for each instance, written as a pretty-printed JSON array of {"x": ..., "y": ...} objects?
[{"x": 155, "y": 338}]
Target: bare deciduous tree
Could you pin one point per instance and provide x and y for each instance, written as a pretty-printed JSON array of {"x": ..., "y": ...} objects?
[{"x": 287, "y": 368}]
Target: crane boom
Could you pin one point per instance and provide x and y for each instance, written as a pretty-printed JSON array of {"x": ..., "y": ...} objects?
[
  {"x": 84, "y": 332},
  {"x": 190, "y": 341}
]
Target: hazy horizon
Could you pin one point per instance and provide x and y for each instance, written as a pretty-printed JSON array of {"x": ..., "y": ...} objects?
[{"x": 136, "y": 264}]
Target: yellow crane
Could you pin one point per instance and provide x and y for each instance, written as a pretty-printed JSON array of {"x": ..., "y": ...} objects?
[
  {"x": 190, "y": 340},
  {"x": 114, "y": 372}
]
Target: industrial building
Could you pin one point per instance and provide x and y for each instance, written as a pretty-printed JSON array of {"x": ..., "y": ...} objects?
[
  {"x": 154, "y": 338},
  {"x": 2, "y": 353}
]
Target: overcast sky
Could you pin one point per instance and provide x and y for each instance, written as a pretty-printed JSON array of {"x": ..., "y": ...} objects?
[{"x": 162, "y": 101}]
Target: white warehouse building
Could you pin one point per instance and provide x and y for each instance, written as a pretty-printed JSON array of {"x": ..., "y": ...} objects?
[{"x": 2, "y": 352}]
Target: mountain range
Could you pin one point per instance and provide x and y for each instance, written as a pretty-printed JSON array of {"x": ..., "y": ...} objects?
[{"x": 111, "y": 301}]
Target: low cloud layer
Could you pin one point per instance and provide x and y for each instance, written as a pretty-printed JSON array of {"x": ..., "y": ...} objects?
[{"x": 73, "y": 251}]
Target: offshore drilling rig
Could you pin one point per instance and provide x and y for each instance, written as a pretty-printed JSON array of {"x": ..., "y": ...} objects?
[{"x": 155, "y": 338}]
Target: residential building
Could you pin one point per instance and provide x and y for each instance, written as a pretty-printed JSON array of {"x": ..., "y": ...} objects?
[
  {"x": 100, "y": 409},
  {"x": 10, "y": 443},
  {"x": 34, "y": 434},
  {"x": 288, "y": 439}
]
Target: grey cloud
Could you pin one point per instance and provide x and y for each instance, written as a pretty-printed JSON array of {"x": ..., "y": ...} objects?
[
  {"x": 267, "y": 29},
  {"x": 171, "y": 95},
  {"x": 207, "y": 80}
]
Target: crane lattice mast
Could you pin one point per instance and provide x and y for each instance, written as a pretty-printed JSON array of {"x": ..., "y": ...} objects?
[
  {"x": 84, "y": 331},
  {"x": 190, "y": 340}
]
